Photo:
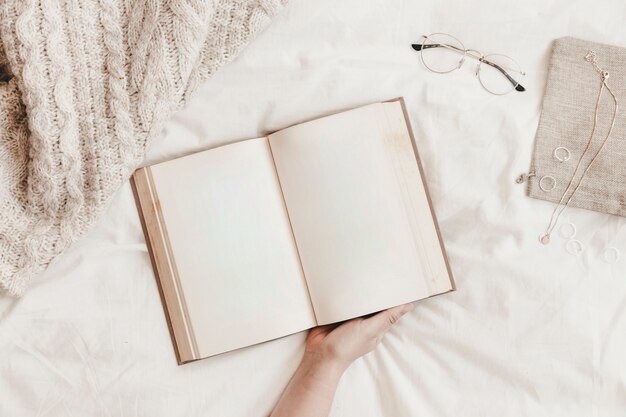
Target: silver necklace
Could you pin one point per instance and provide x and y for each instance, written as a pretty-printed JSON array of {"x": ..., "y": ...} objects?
[{"x": 565, "y": 198}]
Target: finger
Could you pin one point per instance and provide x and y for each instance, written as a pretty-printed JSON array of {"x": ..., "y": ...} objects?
[
  {"x": 322, "y": 329},
  {"x": 327, "y": 328},
  {"x": 383, "y": 321}
]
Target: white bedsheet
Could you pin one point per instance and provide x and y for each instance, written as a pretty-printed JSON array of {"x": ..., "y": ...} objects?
[{"x": 531, "y": 331}]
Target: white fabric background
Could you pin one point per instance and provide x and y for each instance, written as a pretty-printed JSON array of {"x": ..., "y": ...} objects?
[{"x": 532, "y": 330}]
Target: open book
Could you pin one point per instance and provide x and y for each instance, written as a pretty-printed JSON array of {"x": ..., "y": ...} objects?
[{"x": 315, "y": 224}]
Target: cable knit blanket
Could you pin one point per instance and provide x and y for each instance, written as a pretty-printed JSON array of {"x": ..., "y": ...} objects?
[{"x": 84, "y": 86}]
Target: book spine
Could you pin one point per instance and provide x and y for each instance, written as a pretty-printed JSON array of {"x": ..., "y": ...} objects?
[{"x": 164, "y": 265}]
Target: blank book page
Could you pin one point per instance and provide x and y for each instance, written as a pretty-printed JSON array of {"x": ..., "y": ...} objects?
[
  {"x": 359, "y": 212},
  {"x": 233, "y": 246}
]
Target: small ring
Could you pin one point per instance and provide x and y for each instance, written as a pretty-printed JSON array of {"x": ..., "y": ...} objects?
[
  {"x": 568, "y": 230},
  {"x": 611, "y": 259},
  {"x": 566, "y": 157},
  {"x": 574, "y": 247},
  {"x": 552, "y": 183}
]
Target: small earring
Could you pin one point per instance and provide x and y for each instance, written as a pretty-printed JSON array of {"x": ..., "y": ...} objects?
[
  {"x": 547, "y": 187},
  {"x": 611, "y": 255},
  {"x": 574, "y": 247},
  {"x": 562, "y": 154},
  {"x": 568, "y": 230}
]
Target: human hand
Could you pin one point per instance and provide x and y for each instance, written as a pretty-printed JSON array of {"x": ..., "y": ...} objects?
[
  {"x": 344, "y": 343},
  {"x": 329, "y": 351}
]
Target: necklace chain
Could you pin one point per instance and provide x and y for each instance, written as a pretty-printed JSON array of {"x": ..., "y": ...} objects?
[{"x": 565, "y": 198}]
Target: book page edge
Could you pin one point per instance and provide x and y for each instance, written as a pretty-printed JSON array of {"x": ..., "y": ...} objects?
[
  {"x": 185, "y": 346},
  {"x": 423, "y": 178}
]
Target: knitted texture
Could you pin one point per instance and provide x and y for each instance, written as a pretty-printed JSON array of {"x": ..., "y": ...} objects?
[{"x": 84, "y": 86}]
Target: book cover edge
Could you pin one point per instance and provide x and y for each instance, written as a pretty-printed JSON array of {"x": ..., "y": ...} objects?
[
  {"x": 428, "y": 197},
  {"x": 139, "y": 184}
]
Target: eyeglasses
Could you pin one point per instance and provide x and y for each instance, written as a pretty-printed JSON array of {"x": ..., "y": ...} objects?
[{"x": 443, "y": 53}]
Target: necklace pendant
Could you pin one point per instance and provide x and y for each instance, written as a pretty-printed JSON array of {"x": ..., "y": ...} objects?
[{"x": 544, "y": 238}]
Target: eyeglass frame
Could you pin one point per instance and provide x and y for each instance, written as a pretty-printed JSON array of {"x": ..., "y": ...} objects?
[{"x": 472, "y": 53}]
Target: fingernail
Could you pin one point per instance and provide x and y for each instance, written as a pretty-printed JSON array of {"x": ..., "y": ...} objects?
[{"x": 409, "y": 307}]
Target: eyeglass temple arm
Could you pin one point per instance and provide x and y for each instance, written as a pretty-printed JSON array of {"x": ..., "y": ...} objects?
[{"x": 518, "y": 86}]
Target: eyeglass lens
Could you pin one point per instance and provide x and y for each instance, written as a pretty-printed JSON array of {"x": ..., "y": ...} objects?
[{"x": 443, "y": 53}]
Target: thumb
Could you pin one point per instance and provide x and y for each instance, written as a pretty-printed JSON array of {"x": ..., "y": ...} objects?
[{"x": 383, "y": 321}]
